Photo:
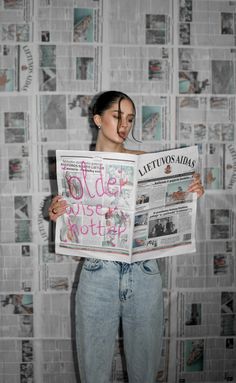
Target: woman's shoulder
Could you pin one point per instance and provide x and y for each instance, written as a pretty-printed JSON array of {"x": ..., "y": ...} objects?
[{"x": 134, "y": 151}]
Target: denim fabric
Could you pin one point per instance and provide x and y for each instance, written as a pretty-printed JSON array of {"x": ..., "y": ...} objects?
[{"x": 109, "y": 291}]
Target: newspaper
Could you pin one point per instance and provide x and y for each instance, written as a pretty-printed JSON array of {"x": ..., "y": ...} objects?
[
  {"x": 57, "y": 72},
  {"x": 198, "y": 328},
  {"x": 16, "y": 219},
  {"x": 213, "y": 75},
  {"x": 20, "y": 264},
  {"x": 210, "y": 122},
  {"x": 16, "y": 315},
  {"x": 125, "y": 207},
  {"x": 16, "y": 19},
  {"x": 16, "y": 68},
  {"x": 194, "y": 23}
]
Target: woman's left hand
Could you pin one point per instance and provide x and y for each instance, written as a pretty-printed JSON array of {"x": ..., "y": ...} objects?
[{"x": 196, "y": 185}]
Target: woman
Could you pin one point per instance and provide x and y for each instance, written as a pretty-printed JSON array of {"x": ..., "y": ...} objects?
[{"x": 109, "y": 291}]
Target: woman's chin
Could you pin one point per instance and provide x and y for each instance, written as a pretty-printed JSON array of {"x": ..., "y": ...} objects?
[{"x": 122, "y": 136}]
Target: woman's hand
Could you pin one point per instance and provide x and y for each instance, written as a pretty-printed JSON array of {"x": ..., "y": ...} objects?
[
  {"x": 196, "y": 185},
  {"x": 58, "y": 207}
]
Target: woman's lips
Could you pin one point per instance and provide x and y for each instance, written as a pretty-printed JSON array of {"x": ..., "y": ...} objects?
[{"x": 122, "y": 135}]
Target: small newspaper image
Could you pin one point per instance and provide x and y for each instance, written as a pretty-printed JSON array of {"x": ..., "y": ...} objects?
[{"x": 126, "y": 207}]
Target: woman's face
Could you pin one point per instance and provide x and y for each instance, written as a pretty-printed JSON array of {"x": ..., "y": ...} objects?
[{"x": 116, "y": 124}]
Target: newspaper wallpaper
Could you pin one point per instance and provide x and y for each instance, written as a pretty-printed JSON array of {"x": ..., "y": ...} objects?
[{"x": 177, "y": 60}]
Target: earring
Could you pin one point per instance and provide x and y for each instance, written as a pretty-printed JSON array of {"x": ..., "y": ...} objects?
[{"x": 99, "y": 126}]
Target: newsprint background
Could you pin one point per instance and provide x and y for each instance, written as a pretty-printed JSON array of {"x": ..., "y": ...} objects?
[{"x": 177, "y": 60}]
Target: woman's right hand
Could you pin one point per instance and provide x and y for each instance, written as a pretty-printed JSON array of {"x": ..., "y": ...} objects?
[{"x": 57, "y": 208}]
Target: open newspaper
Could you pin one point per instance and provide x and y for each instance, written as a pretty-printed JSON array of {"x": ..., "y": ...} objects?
[{"x": 126, "y": 207}]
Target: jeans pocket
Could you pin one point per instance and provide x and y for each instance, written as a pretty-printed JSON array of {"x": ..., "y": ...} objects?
[
  {"x": 92, "y": 264},
  {"x": 150, "y": 266}
]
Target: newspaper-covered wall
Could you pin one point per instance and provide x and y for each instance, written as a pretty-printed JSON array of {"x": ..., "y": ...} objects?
[{"x": 176, "y": 59}]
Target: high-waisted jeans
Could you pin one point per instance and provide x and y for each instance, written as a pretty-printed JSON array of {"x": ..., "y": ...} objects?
[{"x": 110, "y": 291}]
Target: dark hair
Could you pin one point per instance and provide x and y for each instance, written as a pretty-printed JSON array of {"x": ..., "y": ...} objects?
[
  {"x": 106, "y": 99},
  {"x": 103, "y": 101}
]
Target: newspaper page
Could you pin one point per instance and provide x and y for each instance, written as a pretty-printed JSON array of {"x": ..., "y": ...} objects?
[
  {"x": 100, "y": 189},
  {"x": 71, "y": 68},
  {"x": 165, "y": 211},
  {"x": 15, "y": 149},
  {"x": 204, "y": 337},
  {"x": 220, "y": 166},
  {"x": 70, "y": 53},
  {"x": 126, "y": 207},
  {"x": 206, "y": 71},
  {"x": 16, "y": 313},
  {"x": 16, "y": 18},
  {"x": 69, "y": 21},
  {"x": 57, "y": 272},
  {"x": 152, "y": 123},
  {"x": 210, "y": 123},
  {"x": 139, "y": 51},
  {"x": 205, "y": 300},
  {"x": 16, "y": 68},
  {"x": 16, "y": 219},
  {"x": 211, "y": 23},
  {"x": 19, "y": 271}
]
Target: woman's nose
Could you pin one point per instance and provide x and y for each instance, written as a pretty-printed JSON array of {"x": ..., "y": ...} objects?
[{"x": 124, "y": 122}]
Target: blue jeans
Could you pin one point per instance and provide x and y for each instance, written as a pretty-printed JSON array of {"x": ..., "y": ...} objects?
[{"x": 109, "y": 291}]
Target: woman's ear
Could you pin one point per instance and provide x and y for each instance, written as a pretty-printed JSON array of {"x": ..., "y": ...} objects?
[{"x": 97, "y": 119}]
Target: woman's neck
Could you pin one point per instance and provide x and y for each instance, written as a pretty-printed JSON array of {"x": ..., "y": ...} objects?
[{"x": 109, "y": 147}]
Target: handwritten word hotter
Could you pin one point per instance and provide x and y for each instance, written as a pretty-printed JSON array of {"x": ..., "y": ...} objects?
[
  {"x": 162, "y": 161},
  {"x": 110, "y": 187},
  {"x": 92, "y": 228}
]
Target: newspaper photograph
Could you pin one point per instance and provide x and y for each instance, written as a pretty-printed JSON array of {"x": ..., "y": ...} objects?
[{"x": 126, "y": 207}]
